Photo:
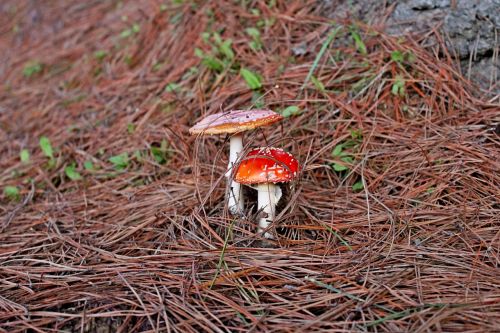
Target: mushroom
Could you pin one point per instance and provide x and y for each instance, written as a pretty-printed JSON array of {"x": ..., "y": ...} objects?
[
  {"x": 234, "y": 123},
  {"x": 265, "y": 167}
]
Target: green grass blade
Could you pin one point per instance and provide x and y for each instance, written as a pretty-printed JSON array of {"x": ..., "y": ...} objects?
[
  {"x": 326, "y": 43},
  {"x": 342, "y": 240},
  {"x": 222, "y": 253}
]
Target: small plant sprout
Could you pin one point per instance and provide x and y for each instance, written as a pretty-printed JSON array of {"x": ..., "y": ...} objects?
[
  {"x": 47, "y": 150},
  {"x": 265, "y": 167},
  {"x": 253, "y": 80},
  {"x": 12, "y": 193},
  {"x": 25, "y": 156},
  {"x": 234, "y": 123},
  {"x": 31, "y": 68}
]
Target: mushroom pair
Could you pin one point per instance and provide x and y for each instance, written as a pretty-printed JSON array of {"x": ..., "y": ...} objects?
[{"x": 263, "y": 167}]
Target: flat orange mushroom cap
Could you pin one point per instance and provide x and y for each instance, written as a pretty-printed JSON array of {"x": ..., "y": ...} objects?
[
  {"x": 267, "y": 165},
  {"x": 235, "y": 121}
]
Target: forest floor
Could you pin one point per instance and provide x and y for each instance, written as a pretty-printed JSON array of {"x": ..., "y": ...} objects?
[{"x": 113, "y": 218}]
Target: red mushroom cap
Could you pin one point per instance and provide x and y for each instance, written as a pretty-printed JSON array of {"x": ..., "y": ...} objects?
[
  {"x": 235, "y": 121},
  {"x": 267, "y": 165}
]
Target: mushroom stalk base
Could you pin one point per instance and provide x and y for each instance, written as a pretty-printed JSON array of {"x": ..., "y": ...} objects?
[
  {"x": 235, "y": 197},
  {"x": 268, "y": 197}
]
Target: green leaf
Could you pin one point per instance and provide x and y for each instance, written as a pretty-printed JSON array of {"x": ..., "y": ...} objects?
[
  {"x": 205, "y": 36},
  {"x": 46, "y": 147},
  {"x": 356, "y": 134},
  {"x": 397, "y": 56},
  {"x": 160, "y": 153},
  {"x": 318, "y": 84},
  {"x": 226, "y": 49},
  {"x": 395, "y": 89},
  {"x": 130, "y": 128},
  {"x": 31, "y": 68},
  {"x": 291, "y": 110},
  {"x": 120, "y": 161},
  {"x": 402, "y": 90},
  {"x": 172, "y": 87},
  {"x": 350, "y": 143},
  {"x": 11, "y": 193},
  {"x": 25, "y": 155},
  {"x": 100, "y": 54},
  {"x": 135, "y": 28},
  {"x": 88, "y": 165},
  {"x": 199, "y": 53},
  {"x": 337, "y": 151},
  {"x": 270, "y": 21},
  {"x": 255, "y": 45},
  {"x": 339, "y": 167},
  {"x": 252, "y": 79},
  {"x": 359, "y": 42},
  {"x": 398, "y": 87},
  {"x": 70, "y": 171},
  {"x": 253, "y": 32},
  {"x": 347, "y": 159},
  {"x": 212, "y": 63},
  {"x": 217, "y": 38},
  {"x": 126, "y": 33},
  {"x": 358, "y": 186}
]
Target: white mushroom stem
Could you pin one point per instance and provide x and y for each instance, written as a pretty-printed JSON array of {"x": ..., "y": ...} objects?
[
  {"x": 235, "y": 195},
  {"x": 268, "y": 196}
]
